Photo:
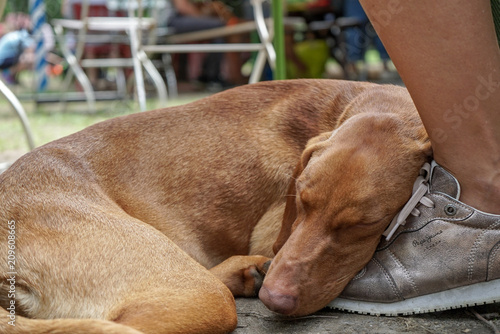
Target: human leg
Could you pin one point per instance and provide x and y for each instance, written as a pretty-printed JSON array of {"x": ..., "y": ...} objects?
[
  {"x": 448, "y": 56},
  {"x": 356, "y": 36},
  {"x": 211, "y": 67}
]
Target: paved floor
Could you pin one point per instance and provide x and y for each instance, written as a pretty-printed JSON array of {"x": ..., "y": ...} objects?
[{"x": 255, "y": 318}]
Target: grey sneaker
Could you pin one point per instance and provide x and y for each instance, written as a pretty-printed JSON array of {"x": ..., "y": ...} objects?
[{"x": 437, "y": 254}]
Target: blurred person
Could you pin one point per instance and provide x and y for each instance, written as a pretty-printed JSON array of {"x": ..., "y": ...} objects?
[
  {"x": 359, "y": 39},
  {"x": 185, "y": 16},
  {"x": 12, "y": 47},
  {"x": 17, "y": 46}
]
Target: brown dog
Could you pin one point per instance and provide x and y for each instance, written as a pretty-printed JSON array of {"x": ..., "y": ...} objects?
[{"x": 100, "y": 228}]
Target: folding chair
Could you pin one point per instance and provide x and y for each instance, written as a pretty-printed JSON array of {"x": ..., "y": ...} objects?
[{"x": 122, "y": 29}]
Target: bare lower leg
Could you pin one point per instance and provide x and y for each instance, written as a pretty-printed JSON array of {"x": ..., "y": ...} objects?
[
  {"x": 235, "y": 62},
  {"x": 448, "y": 56}
]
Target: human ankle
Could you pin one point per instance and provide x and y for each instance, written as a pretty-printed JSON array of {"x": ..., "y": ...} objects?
[
  {"x": 482, "y": 195},
  {"x": 479, "y": 182}
]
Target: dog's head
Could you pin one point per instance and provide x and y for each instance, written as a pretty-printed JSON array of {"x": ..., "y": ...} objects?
[{"x": 346, "y": 189}]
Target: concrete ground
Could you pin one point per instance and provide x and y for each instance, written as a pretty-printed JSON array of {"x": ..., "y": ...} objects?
[{"x": 255, "y": 318}]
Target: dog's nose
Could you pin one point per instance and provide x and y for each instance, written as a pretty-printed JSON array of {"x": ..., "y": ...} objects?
[{"x": 278, "y": 302}]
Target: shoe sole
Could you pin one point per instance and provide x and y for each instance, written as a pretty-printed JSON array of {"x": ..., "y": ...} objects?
[{"x": 470, "y": 295}]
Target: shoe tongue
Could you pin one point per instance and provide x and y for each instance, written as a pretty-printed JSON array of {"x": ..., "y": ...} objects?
[{"x": 442, "y": 181}]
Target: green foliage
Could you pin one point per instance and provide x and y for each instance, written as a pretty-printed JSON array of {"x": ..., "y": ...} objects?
[{"x": 52, "y": 8}]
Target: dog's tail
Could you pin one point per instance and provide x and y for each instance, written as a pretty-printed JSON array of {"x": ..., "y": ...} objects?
[{"x": 10, "y": 323}]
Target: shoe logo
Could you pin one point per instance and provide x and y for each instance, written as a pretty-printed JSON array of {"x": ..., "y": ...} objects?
[{"x": 428, "y": 241}]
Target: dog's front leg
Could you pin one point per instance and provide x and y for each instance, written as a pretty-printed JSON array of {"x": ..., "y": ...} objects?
[{"x": 243, "y": 275}]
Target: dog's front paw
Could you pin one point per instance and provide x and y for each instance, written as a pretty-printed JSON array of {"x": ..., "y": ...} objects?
[{"x": 243, "y": 275}]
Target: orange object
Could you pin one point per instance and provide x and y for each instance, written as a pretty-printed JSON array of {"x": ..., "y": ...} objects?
[
  {"x": 56, "y": 70},
  {"x": 232, "y": 21}
]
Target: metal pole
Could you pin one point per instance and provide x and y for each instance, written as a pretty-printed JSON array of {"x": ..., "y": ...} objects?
[{"x": 279, "y": 40}]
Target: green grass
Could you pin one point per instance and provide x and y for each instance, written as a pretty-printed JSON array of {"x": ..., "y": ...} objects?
[{"x": 47, "y": 125}]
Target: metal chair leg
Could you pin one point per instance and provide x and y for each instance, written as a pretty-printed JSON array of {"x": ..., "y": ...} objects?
[
  {"x": 9, "y": 95},
  {"x": 75, "y": 69},
  {"x": 173, "y": 91},
  {"x": 153, "y": 73}
]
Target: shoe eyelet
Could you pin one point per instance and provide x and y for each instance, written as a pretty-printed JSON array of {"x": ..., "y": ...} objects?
[{"x": 450, "y": 210}]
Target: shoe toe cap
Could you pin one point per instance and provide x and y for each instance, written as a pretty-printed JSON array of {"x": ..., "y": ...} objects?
[{"x": 373, "y": 283}]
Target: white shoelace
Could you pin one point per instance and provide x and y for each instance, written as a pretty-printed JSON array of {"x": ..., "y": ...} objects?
[{"x": 420, "y": 188}]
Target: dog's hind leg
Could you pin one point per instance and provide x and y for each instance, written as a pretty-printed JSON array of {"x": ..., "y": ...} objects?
[
  {"x": 119, "y": 271},
  {"x": 203, "y": 307},
  {"x": 197, "y": 309},
  {"x": 15, "y": 324}
]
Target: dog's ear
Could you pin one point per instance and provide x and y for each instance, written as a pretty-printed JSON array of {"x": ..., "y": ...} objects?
[
  {"x": 290, "y": 211},
  {"x": 290, "y": 214},
  {"x": 312, "y": 146}
]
